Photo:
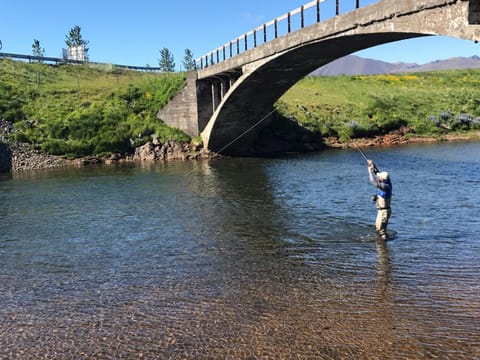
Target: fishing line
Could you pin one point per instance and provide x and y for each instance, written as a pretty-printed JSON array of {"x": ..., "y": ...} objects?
[
  {"x": 358, "y": 148},
  {"x": 246, "y": 131},
  {"x": 375, "y": 169},
  {"x": 241, "y": 135}
]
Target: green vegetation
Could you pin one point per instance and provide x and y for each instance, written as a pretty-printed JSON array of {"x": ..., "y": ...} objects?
[
  {"x": 74, "y": 38},
  {"x": 360, "y": 106},
  {"x": 77, "y": 110},
  {"x": 37, "y": 49},
  {"x": 81, "y": 110},
  {"x": 166, "y": 61}
]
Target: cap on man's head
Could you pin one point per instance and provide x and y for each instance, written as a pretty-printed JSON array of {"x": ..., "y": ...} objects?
[{"x": 383, "y": 175}]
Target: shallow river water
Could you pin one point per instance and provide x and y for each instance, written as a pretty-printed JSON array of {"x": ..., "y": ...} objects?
[{"x": 244, "y": 259}]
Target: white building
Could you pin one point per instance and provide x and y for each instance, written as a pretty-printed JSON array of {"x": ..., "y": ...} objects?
[{"x": 76, "y": 53}]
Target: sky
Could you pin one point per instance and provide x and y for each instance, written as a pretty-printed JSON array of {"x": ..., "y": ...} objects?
[{"x": 133, "y": 32}]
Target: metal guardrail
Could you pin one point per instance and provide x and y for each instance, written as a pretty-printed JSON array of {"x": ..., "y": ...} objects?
[
  {"x": 234, "y": 47},
  {"x": 33, "y": 58}
]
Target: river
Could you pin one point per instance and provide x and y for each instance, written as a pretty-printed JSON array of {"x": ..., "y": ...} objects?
[{"x": 244, "y": 259}]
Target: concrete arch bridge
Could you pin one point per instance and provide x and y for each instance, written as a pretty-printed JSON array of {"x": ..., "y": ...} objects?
[{"x": 237, "y": 84}]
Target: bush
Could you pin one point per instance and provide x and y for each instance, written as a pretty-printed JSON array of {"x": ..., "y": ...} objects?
[
  {"x": 71, "y": 149},
  {"x": 462, "y": 122}
]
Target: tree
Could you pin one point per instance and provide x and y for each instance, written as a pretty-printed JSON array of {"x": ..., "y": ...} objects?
[
  {"x": 188, "y": 61},
  {"x": 166, "y": 61},
  {"x": 37, "y": 50},
  {"x": 74, "y": 38}
]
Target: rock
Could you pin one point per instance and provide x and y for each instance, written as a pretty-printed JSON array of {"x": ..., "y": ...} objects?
[
  {"x": 145, "y": 152},
  {"x": 170, "y": 150},
  {"x": 91, "y": 160}
]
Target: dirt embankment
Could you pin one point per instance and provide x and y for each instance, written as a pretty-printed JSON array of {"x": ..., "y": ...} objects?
[{"x": 401, "y": 137}]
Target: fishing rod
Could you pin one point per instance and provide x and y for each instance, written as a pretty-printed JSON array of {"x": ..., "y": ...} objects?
[{"x": 375, "y": 169}]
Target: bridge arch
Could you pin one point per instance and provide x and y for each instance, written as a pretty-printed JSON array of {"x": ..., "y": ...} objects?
[
  {"x": 234, "y": 94},
  {"x": 265, "y": 80},
  {"x": 230, "y": 130}
]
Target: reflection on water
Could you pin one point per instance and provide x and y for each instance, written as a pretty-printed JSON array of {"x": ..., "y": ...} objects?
[{"x": 243, "y": 258}]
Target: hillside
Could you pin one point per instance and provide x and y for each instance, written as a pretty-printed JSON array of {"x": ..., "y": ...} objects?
[
  {"x": 355, "y": 65},
  {"x": 79, "y": 110},
  {"x": 427, "y": 103}
]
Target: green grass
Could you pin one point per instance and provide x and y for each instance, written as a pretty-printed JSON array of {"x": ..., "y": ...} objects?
[
  {"x": 359, "y": 106},
  {"x": 77, "y": 110}
]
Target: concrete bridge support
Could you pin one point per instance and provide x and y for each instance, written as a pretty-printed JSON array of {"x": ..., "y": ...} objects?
[{"x": 191, "y": 109}]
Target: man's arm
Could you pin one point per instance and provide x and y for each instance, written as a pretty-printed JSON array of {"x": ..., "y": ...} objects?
[
  {"x": 372, "y": 171},
  {"x": 373, "y": 179}
]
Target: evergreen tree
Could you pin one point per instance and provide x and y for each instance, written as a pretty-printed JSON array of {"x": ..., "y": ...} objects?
[
  {"x": 188, "y": 61},
  {"x": 37, "y": 50},
  {"x": 166, "y": 61},
  {"x": 74, "y": 38}
]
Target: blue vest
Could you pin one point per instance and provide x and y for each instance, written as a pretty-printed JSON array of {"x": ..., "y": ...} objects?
[{"x": 386, "y": 194}]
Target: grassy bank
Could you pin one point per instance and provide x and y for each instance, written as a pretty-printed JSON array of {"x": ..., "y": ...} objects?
[
  {"x": 430, "y": 104},
  {"x": 77, "y": 110}
]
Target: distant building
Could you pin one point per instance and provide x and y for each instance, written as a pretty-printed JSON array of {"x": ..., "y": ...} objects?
[{"x": 74, "y": 53}]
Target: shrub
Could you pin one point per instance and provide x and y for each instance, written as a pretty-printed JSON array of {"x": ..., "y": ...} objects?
[
  {"x": 462, "y": 122},
  {"x": 71, "y": 148}
]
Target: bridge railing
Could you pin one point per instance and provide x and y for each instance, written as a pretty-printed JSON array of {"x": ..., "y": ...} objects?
[
  {"x": 46, "y": 59},
  {"x": 298, "y": 18}
]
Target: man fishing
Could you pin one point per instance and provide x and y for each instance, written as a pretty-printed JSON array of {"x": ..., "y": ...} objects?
[{"x": 383, "y": 198}]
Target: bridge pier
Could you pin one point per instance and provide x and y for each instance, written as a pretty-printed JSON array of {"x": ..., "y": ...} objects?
[
  {"x": 220, "y": 85},
  {"x": 191, "y": 109}
]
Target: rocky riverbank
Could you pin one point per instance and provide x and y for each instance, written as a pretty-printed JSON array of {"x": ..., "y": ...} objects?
[
  {"x": 400, "y": 137},
  {"x": 19, "y": 157}
]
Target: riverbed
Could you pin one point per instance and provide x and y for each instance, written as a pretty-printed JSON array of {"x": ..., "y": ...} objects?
[{"x": 244, "y": 259}]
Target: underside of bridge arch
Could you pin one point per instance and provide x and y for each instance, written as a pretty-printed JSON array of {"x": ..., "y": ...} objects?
[{"x": 233, "y": 127}]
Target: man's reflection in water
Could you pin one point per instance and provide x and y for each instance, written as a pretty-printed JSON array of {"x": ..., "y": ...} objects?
[
  {"x": 383, "y": 265},
  {"x": 387, "y": 319}
]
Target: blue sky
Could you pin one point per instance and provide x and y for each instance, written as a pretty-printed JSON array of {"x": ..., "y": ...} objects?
[{"x": 134, "y": 32}]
